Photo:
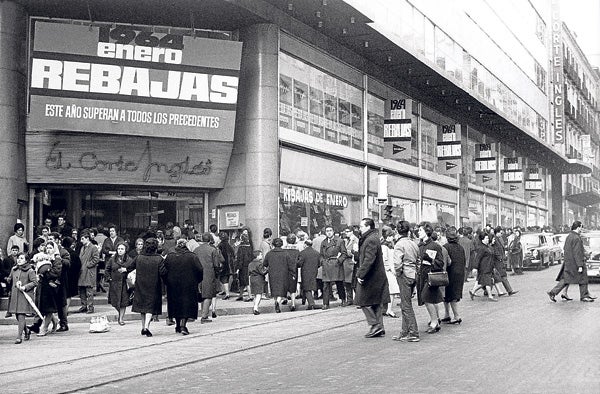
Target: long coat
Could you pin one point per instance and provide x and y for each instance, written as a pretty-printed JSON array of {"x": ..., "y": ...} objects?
[
  {"x": 425, "y": 293},
  {"x": 484, "y": 264},
  {"x": 210, "y": 259},
  {"x": 308, "y": 261},
  {"x": 147, "y": 297},
  {"x": 293, "y": 279},
  {"x": 515, "y": 253},
  {"x": 281, "y": 267},
  {"x": 456, "y": 271},
  {"x": 117, "y": 290},
  {"x": 182, "y": 272},
  {"x": 26, "y": 275},
  {"x": 45, "y": 295},
  {"x": 573, "y": 259},
  {"x": 349, "y": 262},
  {"x": 499, "y": 256},
  {"x": 374, "y": 290},
  {"x": 73, "y": 274},
  {"x": 333, "y": 266},
  {"x": 89, "y": 257},
  {"x": 242, "y": 261}
]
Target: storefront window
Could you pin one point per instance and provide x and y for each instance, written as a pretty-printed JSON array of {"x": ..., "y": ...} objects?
[
  {"x": 375, "y": 117},
  {"x": 132, "y": 212},
  {"x": 439, "y": 213},
  {"x": 475, "y": 211},
  {"x": 532, "y": 217},
  {"x": 520, "y": 214},
  {"x": 428, "y": 145},
  {"x": 315, "y": 103},
  {"x": 402, "y": 209},
  {"x": 491, "y": 211},
  {"x": 506, "y": 214},
  {"x": 312, "y": 209}
]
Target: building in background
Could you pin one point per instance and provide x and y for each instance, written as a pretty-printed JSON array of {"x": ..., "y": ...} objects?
[{"x": 281, "y": 114}]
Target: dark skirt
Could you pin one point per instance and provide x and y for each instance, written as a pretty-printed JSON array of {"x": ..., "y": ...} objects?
[
  {"x": 257, "y": 284},
  {"x": 46, "y": 297},
  {"x": 243, "y": 275},
  {"x": 426, "y": 294},
  {"x": 118, "y": 296},
  {"x": 456, "y": 276}
]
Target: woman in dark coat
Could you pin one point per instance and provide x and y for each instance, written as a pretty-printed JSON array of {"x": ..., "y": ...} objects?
[
  {"x": 456, "y": 276},
  {"x": 116, "y": 273},
  {"x": 147, "y": 297},
  {"x": 293, "y": 251},
  {"x": 22, "y": 279},
  {"x": 431, "y": 256},
  {"x": 70, "y": 245},
  {"x": 227, "y": 267},
  {"x": 308, "y": 261},
  {"x": 242, "y": 261},
  {"x": 281, "y": 267},
  {"x": 48, "y": 267},
  {"x": 483, "y": 267},
  {"x": 182, "y": 271}
]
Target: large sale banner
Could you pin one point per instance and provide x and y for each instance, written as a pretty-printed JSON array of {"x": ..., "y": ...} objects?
[{"x": 132, "y": 81}]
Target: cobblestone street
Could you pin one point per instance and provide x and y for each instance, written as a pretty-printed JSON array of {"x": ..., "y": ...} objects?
[{"x": 520, "y": 344}]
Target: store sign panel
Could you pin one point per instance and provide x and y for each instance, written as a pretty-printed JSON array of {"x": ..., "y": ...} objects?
[
  {"x": 397, "y": 130},
  {"x": 292, "y": 194},
  {"x": 557, "y": 75},
  {"x": 131, "y": 80},
  {"x": 449, "y": 149},
  {"x": 512, "y": 176},
  {"x": 534, "y": 184},
  {"x": 486, "y": 165},
  {"x": 79, "y": 158}
]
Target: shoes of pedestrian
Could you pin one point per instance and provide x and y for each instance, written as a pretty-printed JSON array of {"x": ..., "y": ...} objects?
[
  {"x": 226, "y": 297},
  {"x": 401, "y": 337},
  {"x": 350, "y": 302},
  {"x": 375, "y": 332},
  {"x": 310, "y": 308},
  {"x": 456, "y": 321},
  {"x": 121, "y": 323},
  {"x": 221, "y": 293},
  {"x": 433, "y": 330},
  {"x": 214, "y": 314},
  {"x": 292, "y": 308},
  {"x": 592, "y": 297},
  {"x": 240, "y": 298},
  {"x": 256, "y": 312},
  {"x": 446, "y": 320},
  {"x": 33, "y": 328},
  {"x": 277, "y": 309},
  {"x": 184, "y": 331},
  {"x": 552, "y": 296},
  {"x": 413, "y": 338},
  {"x": 63, "y": 328},
  {"x": 284, "y": 301},
  {"x": 493, "y": 299},
  {"x": 170, "y": 322},
  {"x": 472, "y": 295},
  {"x": 248, "y": 299},
  {"x": 18, "y": 341},
  {"x": 178, "y": 329},
  {"x": 146, "y": 332},
  {"x": 325, "y": 307},
  {"x": 90, "y": 310},
  {"x": 587, "y": 299},
  {"x": 83, "y": 309},
  {"x": 510, "y": 293},
  {"x": 42, "y": 333},
  {"x": 344, "y": 303},
  {"x": 502, "y": 294},
  {"x": 205, "y": 320},
  {"x": 565, "y": 297}
]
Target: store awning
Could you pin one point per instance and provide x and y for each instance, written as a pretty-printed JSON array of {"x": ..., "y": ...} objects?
[{"x": 585, "y": 199}]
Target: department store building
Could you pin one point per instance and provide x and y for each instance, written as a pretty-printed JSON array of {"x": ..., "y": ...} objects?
[{"x": 281, "y": 114}]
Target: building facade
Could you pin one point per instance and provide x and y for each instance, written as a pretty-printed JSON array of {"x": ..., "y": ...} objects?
[{"x": 283, "y": 114}]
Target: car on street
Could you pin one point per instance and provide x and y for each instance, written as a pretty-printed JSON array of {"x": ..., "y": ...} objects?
[
  {"x": 537, "y": 252},
  {"x": 558, "y": 247},
  {"x": 591, "y": 242}
]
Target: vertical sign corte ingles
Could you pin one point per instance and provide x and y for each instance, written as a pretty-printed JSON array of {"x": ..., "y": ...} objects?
[
  {"x": 534, "y": 185},
  {"x": 557, "y": 75},
  {"x": 125, "y": 104},
  {"x": 449, "y": 149},
  {"x": 486, "y": 165},
  {"x": 397, "y": 130},
  {"x": 512, "y": 176}
]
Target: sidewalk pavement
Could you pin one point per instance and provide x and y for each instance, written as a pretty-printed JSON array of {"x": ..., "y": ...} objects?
[{"x": 102, "y": 308}]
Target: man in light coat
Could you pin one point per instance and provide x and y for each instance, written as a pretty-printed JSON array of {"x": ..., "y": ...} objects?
[
  {"x": 372, "y": 289},
  {"x": 89, "y": 256}
]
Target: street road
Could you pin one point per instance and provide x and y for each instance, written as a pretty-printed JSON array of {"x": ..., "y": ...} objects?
[{"x": 521, "y": 344}]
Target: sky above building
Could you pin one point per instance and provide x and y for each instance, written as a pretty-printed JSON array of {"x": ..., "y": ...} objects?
[{"x": 583, "y": 18}]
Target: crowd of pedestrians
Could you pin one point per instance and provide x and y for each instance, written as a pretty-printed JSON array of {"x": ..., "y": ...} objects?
[{"x": 368, "y": 267}]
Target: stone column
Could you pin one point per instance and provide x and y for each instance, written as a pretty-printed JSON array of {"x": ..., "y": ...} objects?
[
  {"x": 257, "y": 126},
  {"x": 556, "y": 209},
  {"x": 13, "y": 85}
]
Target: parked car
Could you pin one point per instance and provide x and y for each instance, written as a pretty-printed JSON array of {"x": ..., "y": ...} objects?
[
  {"x": 537, "y": 253},
  {"x": 558, "y": 247},
  {"x": 591, "y": 242}
]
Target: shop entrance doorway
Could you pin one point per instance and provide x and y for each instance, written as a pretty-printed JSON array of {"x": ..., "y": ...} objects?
[{"x": 133, "y": 212}]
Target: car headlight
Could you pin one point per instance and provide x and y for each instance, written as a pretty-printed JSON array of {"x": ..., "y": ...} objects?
[{"x": 535, "y": 254}]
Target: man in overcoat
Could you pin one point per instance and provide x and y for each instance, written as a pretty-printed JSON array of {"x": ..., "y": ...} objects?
[
  {"x": 573, "y": 270},
  {"x": 308, "y": 261},
  {"x": 89, "y": 256},
  {"x": 333, "y": 254},
  {"x": 210, "y": 259},
  {"x": 372, "y": 286}
]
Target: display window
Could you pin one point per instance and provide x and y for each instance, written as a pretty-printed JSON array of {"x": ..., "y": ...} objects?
[
  {"x": 520, "y": 215},
  {"x": 507, "y": 214},
  {"x": 439, "y": 213},
  {"x": 312, "y": 209},
  {"x": 491, "y": 211},
  {"x": 401, "y": 209},
  {"x": 315, "y": 103},
  {"x": 475, "y": 214}
]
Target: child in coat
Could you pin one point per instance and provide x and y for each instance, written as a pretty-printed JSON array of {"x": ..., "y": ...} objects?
[
  {"x": 257, "y": 273},
  {"x": 23, "y": 279}
]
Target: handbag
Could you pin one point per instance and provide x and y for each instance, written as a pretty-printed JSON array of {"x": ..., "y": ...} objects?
[
  {"x": 99, "y": 324},
  {"x": 438, "y": 278},
  {"x": 131, "y": 280}
]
